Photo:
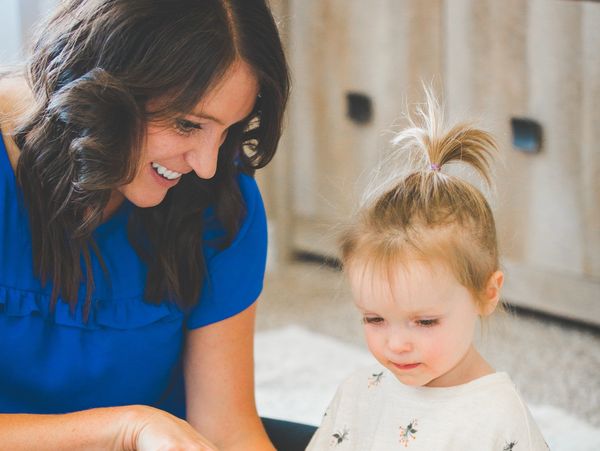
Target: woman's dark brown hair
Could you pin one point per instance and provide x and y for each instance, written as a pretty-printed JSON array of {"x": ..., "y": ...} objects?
[{"x": 93, "y": 70}]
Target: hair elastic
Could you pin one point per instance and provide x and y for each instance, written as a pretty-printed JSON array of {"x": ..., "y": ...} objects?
[{"x": 435, "y": 167}]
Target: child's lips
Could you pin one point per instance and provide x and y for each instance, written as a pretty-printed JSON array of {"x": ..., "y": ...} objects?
[{"x": 405, "y": 366}]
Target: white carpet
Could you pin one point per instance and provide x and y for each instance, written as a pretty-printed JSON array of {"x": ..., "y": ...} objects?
[{"x": 298, "y": 371}]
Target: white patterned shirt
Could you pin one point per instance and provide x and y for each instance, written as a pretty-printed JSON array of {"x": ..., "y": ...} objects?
[{"x": 374, "y": 411}]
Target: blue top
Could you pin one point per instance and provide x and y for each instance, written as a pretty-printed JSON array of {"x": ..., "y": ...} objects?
[{"x": 128, "y": 351}]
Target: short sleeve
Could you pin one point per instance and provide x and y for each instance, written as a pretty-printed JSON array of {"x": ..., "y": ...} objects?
[
  {"x": 235, "y": 275},
  {"x": 323, "y": 436}
]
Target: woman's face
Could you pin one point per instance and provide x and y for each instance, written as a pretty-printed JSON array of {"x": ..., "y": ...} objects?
[{"x": 190, "y": 142}]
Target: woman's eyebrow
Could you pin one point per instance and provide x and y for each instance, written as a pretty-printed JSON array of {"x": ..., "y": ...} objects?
[
  {"x": 217, "y": 120},
  {"x": 207, "y": 116}
]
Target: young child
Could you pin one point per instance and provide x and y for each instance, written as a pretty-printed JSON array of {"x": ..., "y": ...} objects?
[{"x": 422, "y": 261}]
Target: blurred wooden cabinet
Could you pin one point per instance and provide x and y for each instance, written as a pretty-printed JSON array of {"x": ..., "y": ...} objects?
[
  {"x": 492, "y": 60},
  {"x": 539, "y": 59}
]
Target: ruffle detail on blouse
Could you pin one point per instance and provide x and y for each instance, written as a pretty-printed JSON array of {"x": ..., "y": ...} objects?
[{"x": 128, "y": 313}]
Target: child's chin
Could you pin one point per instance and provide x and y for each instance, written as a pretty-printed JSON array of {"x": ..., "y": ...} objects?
[{"x": 412, "y": 381}]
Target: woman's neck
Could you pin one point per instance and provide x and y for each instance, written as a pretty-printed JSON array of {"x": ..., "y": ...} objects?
[
  {"x": 15, "y": 99},
  {"x": 115, "y": 201}
]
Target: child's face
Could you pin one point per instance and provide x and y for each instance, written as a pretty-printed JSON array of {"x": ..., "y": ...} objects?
[{"x": 419, "y": 323}]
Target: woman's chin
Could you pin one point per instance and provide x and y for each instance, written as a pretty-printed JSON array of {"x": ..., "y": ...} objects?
[
  {"x": 144, "y": 198},
  {"x": 145, "y": 192},
  {"x": 147, "y": 202}
]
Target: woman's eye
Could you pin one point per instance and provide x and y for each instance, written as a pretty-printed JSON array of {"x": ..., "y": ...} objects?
[
  {"x": 427, "y": 322},
  {"x": 372, "y": 320},
  {"x": 185, "y": 127}
]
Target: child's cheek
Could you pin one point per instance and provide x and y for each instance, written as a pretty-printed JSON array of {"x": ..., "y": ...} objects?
[
  {"x": 375, "y": 342},
  {"x": 435, "y": 347}
]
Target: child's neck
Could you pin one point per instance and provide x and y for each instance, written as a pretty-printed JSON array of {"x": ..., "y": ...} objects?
[{"x": 472, "y": 366}]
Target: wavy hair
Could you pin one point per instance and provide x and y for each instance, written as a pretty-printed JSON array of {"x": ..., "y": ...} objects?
[
  {"x": 427, "y": 213},
  {"x": 93, "y": 70}
]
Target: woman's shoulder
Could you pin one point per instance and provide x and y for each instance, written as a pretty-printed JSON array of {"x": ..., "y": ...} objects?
[
  {"x": 254, "y": 215},
  {"x": 15, "y": 98},
  {"x": 249, "y": 189},
  {"x": 15, "y": 93}
]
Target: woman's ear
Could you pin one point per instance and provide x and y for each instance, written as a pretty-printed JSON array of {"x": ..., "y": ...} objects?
[{"x": 491, "y": 294}]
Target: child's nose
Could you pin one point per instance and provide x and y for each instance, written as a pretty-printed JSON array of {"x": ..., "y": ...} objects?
[{"x": 399, "y": 342}]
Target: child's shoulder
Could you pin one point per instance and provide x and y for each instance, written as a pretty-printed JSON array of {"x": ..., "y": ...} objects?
[
  {"x": 496, "y": 398},
  {"x": 492, "y": 393},
  {"x": 496, "y": 387}
]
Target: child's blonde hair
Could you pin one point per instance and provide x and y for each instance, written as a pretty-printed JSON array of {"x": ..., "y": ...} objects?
[{"x": 430, "y": 215}]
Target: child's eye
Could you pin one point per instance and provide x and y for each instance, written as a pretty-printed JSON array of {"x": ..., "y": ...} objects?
[
  {"x": 372, "y": 320},
  {"x": 185, "y": 127},
  {"x": 427, "y": 322}
]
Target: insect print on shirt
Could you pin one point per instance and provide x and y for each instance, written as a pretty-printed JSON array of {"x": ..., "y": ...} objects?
[
  {"x": 339, "y": 437},
  {"x": 510, "y": 446},
  {"x": 375, "y": 379},
  {"x": 408, "y": 433}
]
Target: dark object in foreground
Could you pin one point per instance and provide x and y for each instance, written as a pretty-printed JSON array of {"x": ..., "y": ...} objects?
[{"x": 288, "y": 436}]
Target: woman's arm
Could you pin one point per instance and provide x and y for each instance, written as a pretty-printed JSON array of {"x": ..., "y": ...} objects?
[
  {"x": 219, "y": 374},
  {"x": 89, "y": 429},
  {"x": 125, "y": 428}
]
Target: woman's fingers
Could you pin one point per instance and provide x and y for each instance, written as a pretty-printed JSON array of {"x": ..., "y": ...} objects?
[{"x": 156, "y": 429}]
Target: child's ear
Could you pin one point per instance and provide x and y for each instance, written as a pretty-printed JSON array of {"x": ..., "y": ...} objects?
[{"x": 491, "y": 294}]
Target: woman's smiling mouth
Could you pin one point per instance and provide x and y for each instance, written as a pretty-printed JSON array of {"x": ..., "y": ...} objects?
[{"x": 166, "y": 173}]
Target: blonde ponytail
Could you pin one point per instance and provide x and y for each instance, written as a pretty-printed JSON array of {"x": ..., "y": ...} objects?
[
  {"x": 441, "y": 145},
  {"x": 427, "y": 213}
]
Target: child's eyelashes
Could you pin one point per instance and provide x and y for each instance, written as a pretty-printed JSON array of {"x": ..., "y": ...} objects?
[
  {"x": 374, "y": 320},
  {"x": 186, "y": 127},
  {"x": 378, "y": 320},
  {"x": 427, "y": 322}
]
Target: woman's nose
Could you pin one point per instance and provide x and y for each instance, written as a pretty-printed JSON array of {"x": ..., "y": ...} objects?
[{"x": 203, "y": 158}]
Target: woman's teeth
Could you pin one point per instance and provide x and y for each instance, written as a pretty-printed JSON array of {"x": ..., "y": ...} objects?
[{"x": 166, "y": 173}]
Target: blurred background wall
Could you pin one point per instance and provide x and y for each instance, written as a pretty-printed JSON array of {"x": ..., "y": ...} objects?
[
  {"x": 19, "y": 20},
  {"x": 357, "y": 66}
]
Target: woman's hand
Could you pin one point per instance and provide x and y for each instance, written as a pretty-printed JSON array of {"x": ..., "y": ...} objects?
[
  {"x": 123, "y": 428},
  {"x": 150, "y": 429}
]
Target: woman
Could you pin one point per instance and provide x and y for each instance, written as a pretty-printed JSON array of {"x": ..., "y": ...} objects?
[{"x": 133, "y": 236}]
